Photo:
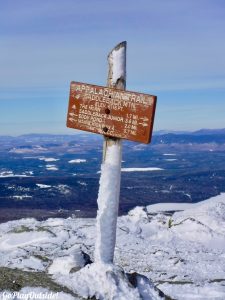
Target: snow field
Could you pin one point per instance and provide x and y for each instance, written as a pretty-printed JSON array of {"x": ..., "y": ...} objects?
[{"x": 182, "y": 253}]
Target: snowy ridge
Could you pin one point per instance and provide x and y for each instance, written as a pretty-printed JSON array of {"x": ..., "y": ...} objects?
[{"x": 182, "y": 253}]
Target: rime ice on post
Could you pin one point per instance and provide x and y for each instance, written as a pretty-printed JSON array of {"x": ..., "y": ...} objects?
[
  {"x": 109, "y": 190},
  {"x": 117, "y": 114}
]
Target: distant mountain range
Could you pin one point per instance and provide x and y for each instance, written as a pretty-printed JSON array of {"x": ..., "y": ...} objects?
[
  {"x": 52, "y": 173},
  {"x": 201, "y": 140},
  {"x": 198, "y": 137},
  {"x": 198, "y": 132},
  {"x": 209, "y": 131}
]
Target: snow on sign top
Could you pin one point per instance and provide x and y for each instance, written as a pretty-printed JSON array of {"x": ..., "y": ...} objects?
[{"x": 111, "y": 112}]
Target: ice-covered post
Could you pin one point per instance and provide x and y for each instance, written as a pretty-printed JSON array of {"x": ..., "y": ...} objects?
[{"x": 109, "y": 189}]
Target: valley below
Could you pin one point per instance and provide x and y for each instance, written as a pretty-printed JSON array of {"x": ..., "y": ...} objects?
[{"x": 45, "y": 176}]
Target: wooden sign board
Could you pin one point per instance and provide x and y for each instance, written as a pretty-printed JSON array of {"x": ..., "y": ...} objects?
[{"x": 111, "y": 112}]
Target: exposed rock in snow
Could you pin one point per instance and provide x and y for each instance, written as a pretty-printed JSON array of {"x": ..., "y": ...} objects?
[{"x": 12, "y": 280}]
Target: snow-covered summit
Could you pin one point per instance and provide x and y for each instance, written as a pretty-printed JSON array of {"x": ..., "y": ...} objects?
[
  {"x": 210, "y": 213},
  {"x": 183, "y": 253}
]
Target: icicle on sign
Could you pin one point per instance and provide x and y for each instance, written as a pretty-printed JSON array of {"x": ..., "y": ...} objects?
[{"x": 111, "y": 112}]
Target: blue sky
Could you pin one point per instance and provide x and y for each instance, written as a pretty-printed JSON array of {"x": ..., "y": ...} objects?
[{"x": 176, "y": 50}]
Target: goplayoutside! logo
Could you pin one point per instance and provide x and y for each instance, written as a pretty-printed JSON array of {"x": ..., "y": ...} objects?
[{"x": 30, "y": 296}]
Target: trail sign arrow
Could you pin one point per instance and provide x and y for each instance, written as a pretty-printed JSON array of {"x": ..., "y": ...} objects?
[
  {"x": 144, "y": 119},
  {"x": 144, "y": 124}
]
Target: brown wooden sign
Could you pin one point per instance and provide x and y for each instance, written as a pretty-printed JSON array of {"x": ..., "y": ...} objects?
[{"x": 111, "y": 112}]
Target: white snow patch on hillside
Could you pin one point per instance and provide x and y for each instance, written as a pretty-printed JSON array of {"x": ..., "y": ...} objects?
[
  {"x": 141, "y": 169},
  {"x": 82, "y": 183},
  {"x": 48, "y": 159},
  {"x": 20, "y": 197},
  {"x": 43, "y": 186},
  {"x": 36, "y": 149},
  {"x": 148, "y": 169},
  {"x": 11, "y": 174},
  {"x": 170, "y": 159},
  {"x": 29, "y": 172},
  {"x": 51, "y": 168},
  {"x": 77, "y": 161},
  {"x": 63, "y": 188}
]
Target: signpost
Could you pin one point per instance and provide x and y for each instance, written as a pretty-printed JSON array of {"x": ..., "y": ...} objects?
[{"x": 116, "y": 114}]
